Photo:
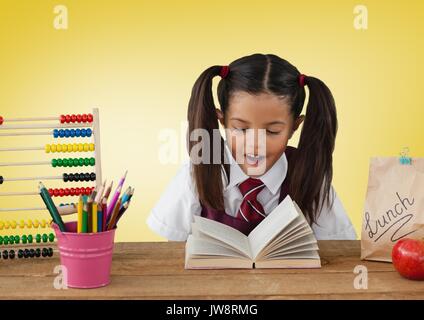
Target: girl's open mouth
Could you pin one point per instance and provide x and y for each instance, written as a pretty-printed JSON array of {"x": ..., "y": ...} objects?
[{"x": 254, "y": 160}]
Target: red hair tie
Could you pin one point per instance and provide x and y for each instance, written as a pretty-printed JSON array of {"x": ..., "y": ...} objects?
[
  {"x": 302, "y": 78},
  {"x": 224, "y": 71}
]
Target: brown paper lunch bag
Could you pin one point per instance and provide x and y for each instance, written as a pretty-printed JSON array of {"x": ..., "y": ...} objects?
[{"x": 394, "y": 206}]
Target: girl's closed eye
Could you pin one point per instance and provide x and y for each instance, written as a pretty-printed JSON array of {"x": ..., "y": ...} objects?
[
  {"x": 239, "y": 129},
  {"x": 273, "y": 132},
  {"x": 242, "y": 130}
]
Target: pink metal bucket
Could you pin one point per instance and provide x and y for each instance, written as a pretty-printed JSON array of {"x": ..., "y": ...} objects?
[{"x": 87, "y": 257}]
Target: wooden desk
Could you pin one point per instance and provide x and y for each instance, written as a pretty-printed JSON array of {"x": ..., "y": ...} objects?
[{"x": 156, "y": 271}]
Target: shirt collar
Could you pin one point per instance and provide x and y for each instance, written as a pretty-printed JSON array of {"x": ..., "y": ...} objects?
[{"x": 272, "y": 179}]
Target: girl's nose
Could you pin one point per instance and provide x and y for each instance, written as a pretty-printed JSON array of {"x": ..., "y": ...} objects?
[{"x": 255, "y": 141}]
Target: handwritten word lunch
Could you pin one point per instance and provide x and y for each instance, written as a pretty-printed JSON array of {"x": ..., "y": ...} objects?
[{"x": 392, "y": 220}]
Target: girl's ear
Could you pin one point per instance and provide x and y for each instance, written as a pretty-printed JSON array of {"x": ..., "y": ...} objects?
[
  {"x": 220, "y": 116},
  {"x": 297, "y": 123}
]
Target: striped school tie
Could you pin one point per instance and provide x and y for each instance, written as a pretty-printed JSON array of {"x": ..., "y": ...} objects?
[{"x": 250, "y": 208}]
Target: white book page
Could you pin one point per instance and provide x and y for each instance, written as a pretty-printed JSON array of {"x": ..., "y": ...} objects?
[
  {"x": 206, "y": 237},
  {"x": 272, "y": 225},
  {"x": 276, "y": 244},
  {"x": 285, "y": 241},
  {"x": 283, "y": 238},
  {"x": 305, "y": 232},
  {"x": 200, "y": 247},
  {"x": 291, "y": 234},
  {"x": 222, "y": 232},
  {"x": 308, "y": 247},
  {"x": 280, "y": 243},
  {"x": 299, "y": 255},
  {"x": 307, "y": 240},
  {"x": 293, "y": 228}
]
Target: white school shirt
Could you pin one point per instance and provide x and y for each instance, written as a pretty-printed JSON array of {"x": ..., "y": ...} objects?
[{"x": 172, "y": 216}]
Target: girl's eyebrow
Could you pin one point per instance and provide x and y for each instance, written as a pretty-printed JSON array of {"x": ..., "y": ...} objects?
[
  {"x": 275, "y": 122},
  {"x": 238, "y": 119},
  {"x": 267, "y": 124}
]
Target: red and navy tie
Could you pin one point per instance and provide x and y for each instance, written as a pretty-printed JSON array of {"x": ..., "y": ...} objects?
[{"x": 250, "y": 208}]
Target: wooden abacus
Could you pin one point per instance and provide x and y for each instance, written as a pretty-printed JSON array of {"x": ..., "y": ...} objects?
[{"x": 86, "y": 126}]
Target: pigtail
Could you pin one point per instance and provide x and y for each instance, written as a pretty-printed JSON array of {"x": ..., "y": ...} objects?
[
  {"x": 312, "y": 171},
  {"x": 202, "y": 115}
]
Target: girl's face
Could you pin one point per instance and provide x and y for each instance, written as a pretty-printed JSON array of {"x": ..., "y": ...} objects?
[{"x": 246, "y": 115}]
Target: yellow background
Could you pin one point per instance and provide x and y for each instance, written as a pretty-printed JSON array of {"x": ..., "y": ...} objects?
[{"x": 137, "y": 61}]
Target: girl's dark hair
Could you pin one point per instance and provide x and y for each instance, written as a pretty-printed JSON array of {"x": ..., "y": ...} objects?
[{"x": 311, "y": 169}]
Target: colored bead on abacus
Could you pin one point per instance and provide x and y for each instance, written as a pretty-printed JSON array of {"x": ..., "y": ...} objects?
[
  {"x": 76, "y": 118},
  {"x": 27, "y": 239},
  {"x": 63, "y": 192},
  {"x": 69, "y": 147},
  {"x": 71, "y": 177},
  {"x": 73, "y": 162},
  {"x": 27, "y": 253},
  {"x": 31, "y": 223},
  {"x": 1, "y": 120},
  {"x": 72, "y": 133}
]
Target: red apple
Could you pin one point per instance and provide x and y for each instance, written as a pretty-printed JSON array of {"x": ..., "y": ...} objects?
[{"x": 408, "y": 258}]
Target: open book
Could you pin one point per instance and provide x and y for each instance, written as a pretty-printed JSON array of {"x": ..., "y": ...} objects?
[{"x": 283, "y": 239}]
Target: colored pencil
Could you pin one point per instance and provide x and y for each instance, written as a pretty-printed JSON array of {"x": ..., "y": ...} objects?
[
  {"x": 114, "y": 215},
  {"x": 90, "y": 214},
  {"x": 116, "y": 195},
  {"x": 121, "y": 212},
  {"x": 108, "y": 191},
  {"x": 104, "y": 211},
  {"x": 80, "y": 208},
  {"x": 95, "y": 224},
  {"x": 125, "y": 196},
  {"x": 84, "y": 199},
  {"x": 100, "y": 193},
  {"x": 121, "y": 182},
  {"x": 113, "y": 202},
  {"x": 84, "y": 219},
  {"x": 93, "y": 194},
  {"x": 44, "y": 193},
  {"x": 131, "y": 194},
  {"x": 99, "y": 218}
]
